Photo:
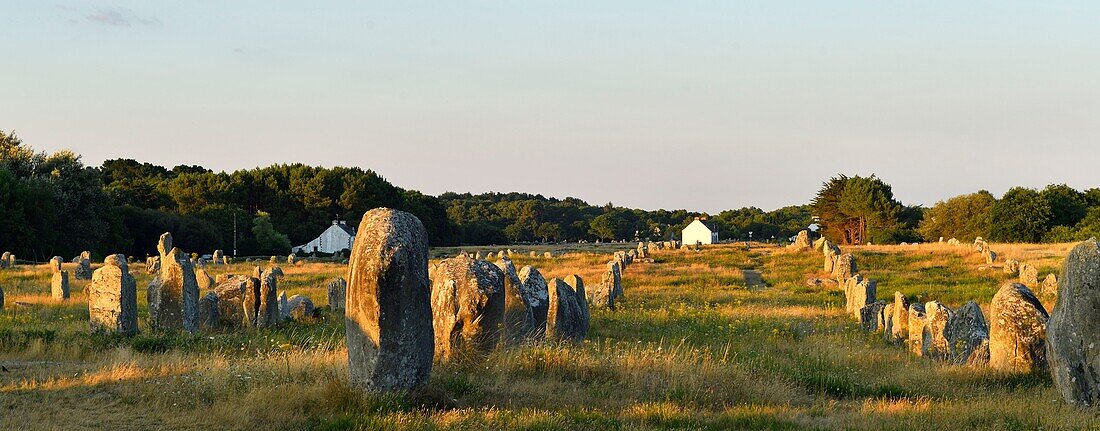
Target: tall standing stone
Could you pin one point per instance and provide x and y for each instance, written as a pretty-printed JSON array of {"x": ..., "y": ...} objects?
[
  {"x": 173, "y": 294},
  {"x": 1073, "y": 344},
  {"x": 268, "y": 310},
  {"x": 112, "y": 297},
  {"x": 519, "y": 318},
  {"x": 59, "y": 282},
  {"x": 1017, "y": 330},
  {"x": 337, "y": 292},
  {"x": 536, "y": 294},
  {"x": 915, "y": 322},
  {"x": 577, "y": 284},
  {"x": 563, "y": 319},
  {"x": 897, "y": 327},
  {"x": 934, "y": 342},
  {"x": 218, "y": 257},
  {"x": 968, "y": 335},
  {"x": 467, "y": 306},
  {"x": 603, "y": 295},
  {"x": 203, "y": 278},
  {"x": 389, "y": 312},
  {"x": 643, "y": 251},
  {"x": 858, "y": 292}
]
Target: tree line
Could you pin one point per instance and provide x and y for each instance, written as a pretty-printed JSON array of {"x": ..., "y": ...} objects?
[{"x": 52, "y": 204}]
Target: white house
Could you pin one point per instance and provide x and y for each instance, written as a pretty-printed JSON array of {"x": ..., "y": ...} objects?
[
  {"x": 699, "y": 233},
  {"x": 334, "y": 239}
]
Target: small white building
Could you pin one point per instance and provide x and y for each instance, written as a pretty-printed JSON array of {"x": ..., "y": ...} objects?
[
  {"x": 336, "y": 238},
  {"x": 699, "y": 233}
]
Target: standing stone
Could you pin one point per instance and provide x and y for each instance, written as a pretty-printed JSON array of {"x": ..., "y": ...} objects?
[
  {"x": 299, "y": 307},
  {"x": 620, "y": 257},
  {"x": 830, "y": 262},
  {"x": 59, "y": 282},
  {"x": 643, "y": 251},
  {"x": 468, "y": 302},
  {"x": 603, "y": 296},
  {"x": 1050, "y": 286},
  {"x": 1073, "y": 345},
  {"x": 218, "y": 257},
  {"x": 250, "y": 300},
  {"x": 203, "y": 278},
  {"x": 845, "y": 267},
  {"x": 1011, "y": 266},
  {"x": 953, "y": 241},
  {"x": 268, "y": 310},
  {"x": 536, "y": 294},
  {"x": 533, "y": 254},
  {"x": 291, "y": 259},
  {"x": 112, "y": 297},
  {"x": 284, "y": 309},
  {"x": 209, "y": 311},
  {"x": 478, "y": 255},
  {"x": 968, "y": 335},
  {"x": 872, "y": 316},
  {"x": 915, "y": 322},
  {"x": 934, "y": 342},
  {"x": 563, "y": 319},
  {"x": 1029, "y": 275},
  {"x": 1017, "y": 330},
  {"x": 337, "y": 292},
  {"x": 389, "y": 311},
  {"x": 819, "y": 244},
  {"x": 858, "y": 292},
  {"x": 547, "y": 255},
  {"x": 152, "y": 265},
  {"x": 4, "y": 260},
  {"x": 989, "y": 256},
  {"x": 1, "y": 298},
  {"x": 84, "y": 266},
  {"x": 574, "y": 281},
  {"x": 801, "y": 241},
  {"x": 231, "y": 292},
  {"x": 173, "y": 294},
  {"x": 519, "y": 318},
  {"x": 897, "y": 327}
]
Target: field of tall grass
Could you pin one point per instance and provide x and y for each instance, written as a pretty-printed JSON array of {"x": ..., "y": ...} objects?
[{"x": 689, "y": 348}]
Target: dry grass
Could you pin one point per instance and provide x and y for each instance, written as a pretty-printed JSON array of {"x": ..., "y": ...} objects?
[{"x": 691, "y": 348}]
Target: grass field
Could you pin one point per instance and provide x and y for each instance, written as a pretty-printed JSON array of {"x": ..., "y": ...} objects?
[{"x": 689, "y": 348}]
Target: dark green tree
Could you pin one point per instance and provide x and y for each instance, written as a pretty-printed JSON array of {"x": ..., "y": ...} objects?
[{"x": 1021, "y": 215}]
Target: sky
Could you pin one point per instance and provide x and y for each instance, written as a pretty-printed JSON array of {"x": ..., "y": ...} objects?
[{"x": 703, "y": 105}]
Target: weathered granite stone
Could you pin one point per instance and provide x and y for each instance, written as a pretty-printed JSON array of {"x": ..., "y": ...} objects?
[
  {"x": 536, "y": 294},
  {"x": 642, "y": 251},
  {"x": 232, "y": 292},
  {"x": 112, "y": 297},
  {"x": 1073, "y": 344},
  {"x": 84, "y": 267},
  {"x": 519, "y": 319},
  {"x": 872, "y": 316},
  {"x": 59, "y": 281},
  {"x": 1050, "y": 286},
  {"x": 858, "y": 292},
  {"x": 389, "y": 311},
  {"x": 203, "y": 278},
  {"x": 934, "y": 344},
  {"x": 468, "y": 301},
  {"x": 801, "y": 241},
  {"x": 218, "y": 257},
  {"x": 337, "y": 292},
  {"x": 915, "y": 322},
  {"x": 845, "y": 267},
  {"x": 968, "y": 335},
  {"x": 603, "y": 296},
  {"x": 1017, "y": 330},
  {"x": 173, "y": 294},
  {"x": 268, "y": 310},
  {"x": 299, "y": 307},
  {"x": 989, "y": 256},
  {"x": 1029, "y": 275},
  {"x": 563, "y": 319},
  {"x": 574, "y": 281},
  {"x": 819, "y": 244},
  {"x": 209, "y": 312},
  {"x": 898, "y": 325}
]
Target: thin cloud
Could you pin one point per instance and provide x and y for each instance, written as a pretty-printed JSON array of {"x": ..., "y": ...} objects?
[{"x": 119, "y": 17}]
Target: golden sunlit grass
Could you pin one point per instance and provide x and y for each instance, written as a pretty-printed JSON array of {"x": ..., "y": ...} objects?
[{"x": 689, "y": 348}]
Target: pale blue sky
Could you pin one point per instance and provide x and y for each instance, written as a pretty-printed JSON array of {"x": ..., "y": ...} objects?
[{"x": 700, "y": 105}]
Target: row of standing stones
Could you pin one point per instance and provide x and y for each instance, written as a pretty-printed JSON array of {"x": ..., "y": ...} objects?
[
  {"x": 1021, "y": 337},
  {"x": 399, "y": 313}
]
